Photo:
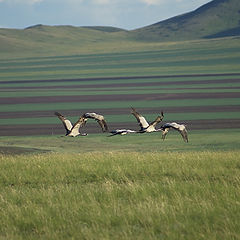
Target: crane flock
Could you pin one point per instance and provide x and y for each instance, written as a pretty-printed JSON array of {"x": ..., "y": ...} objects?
[{"x": 145, "y": 127}]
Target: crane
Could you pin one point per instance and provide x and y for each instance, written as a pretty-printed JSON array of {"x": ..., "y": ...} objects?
[
  {"x": 72, "y": 130},
  {"x": 121, "y": 132},
  {"x": 145, "y": 126}
]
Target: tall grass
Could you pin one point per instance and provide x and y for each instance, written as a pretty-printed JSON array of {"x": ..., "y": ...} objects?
[{"x": 192, "y": 195}]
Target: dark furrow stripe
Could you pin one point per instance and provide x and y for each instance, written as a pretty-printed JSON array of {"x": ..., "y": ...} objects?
[
  {"x": 120, "y": 78},
  {"x": 53, "y": 129},
  {"x": 96, "y": 89},
  {"x": 120, "y": 111},
  {"x": 140, "y": 84}
]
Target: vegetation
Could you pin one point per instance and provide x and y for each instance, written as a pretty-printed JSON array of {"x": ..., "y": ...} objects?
[
  {"x": 199, "y": 140},
  {"x": 169, "y": 195},
  {"x": 144, "y": 59},
  {"x": 123, "y": 187},
  {"x": 174, "y": 77}
]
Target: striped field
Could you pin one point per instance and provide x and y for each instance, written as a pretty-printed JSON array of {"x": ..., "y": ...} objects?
[
  {"x": 197, "y": 83},
  {"x": 206, "y": 103},
  {"x": 122, "y": 187}
]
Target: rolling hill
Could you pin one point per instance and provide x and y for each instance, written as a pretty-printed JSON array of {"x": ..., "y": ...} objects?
[
  {"x": 218, "y": 18},
  {"x": 56, "y": 40}
]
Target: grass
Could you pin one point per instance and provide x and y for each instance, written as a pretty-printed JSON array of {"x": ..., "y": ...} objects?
[
  {"x": 210, "y": 140},
  {"x": 200, "y": 56},
  {"x": 123, "y": 187},
  {"x": 169, "y": 195},
  {"x": 118, "y": 104},
  {"x": 103, "y": 86},
  {"x": 124, "y": 64},
  {"x": 126, "y": 70},
  {"x": 98, "y": 92}
]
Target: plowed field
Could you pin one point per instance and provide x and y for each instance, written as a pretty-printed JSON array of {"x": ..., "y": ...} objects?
[{"x": 27, "y": 107}]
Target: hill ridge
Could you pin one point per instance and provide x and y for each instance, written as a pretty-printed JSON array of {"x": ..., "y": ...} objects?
[{"x": 209, "y": 19}]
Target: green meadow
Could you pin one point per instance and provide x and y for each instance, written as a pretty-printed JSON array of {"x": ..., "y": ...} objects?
[
  {"x": 121, "y": 195},
  {"x": 142, "y": 59},
  {"x": 204, "y": 88},
  {"x": 199, "y": 140},
  {"x": 123, "y": 187}
]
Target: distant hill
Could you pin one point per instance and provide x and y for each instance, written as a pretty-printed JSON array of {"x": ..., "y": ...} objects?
[
  {"x": 41, "y": 39},
  {"x": 217, "y": 18}
]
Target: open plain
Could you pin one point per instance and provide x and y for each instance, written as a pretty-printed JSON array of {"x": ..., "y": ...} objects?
[{"x": 124, "y": 187}]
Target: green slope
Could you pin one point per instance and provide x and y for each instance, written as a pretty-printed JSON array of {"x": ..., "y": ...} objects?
[
  {"x": 58, "y": 40},
  {"x": 218, "y": 18},
  {"x": 210, "y": 19}
]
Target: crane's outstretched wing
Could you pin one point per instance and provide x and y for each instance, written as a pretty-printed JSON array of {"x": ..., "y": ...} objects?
[
  {"x": 141, "y": 120},
  {"x": 103, "y": 125},
  {"x": 157, "y": 120},
  {"x": 80, "y": 123},
  {"x": 99, "y": 118},
  {"x": 92, "y": 115},
  {"x": 66, "y": 123},
  {"x": 179, "y": 127},
  {"x": 184, "y": 134}
]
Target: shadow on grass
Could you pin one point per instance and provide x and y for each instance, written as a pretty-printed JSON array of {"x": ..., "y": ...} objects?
[{"x": 20, "y": 150}]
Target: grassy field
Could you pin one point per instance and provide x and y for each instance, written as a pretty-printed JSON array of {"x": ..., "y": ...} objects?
[
  {"x": 123, "y": 187},
  {"x": 199, "y": 140},
  {"x": 131, "y": 195},
  {"x": 188, "y": 57}
]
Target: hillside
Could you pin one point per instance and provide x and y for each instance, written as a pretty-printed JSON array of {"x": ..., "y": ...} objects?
[
  {"x": 55, "y": 40},
  {"x": 217, "y": 18}
]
